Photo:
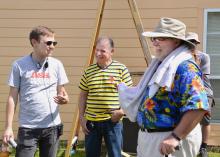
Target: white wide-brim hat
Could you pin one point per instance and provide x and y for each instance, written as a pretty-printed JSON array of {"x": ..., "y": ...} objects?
[{"x": 169, "y": 27}]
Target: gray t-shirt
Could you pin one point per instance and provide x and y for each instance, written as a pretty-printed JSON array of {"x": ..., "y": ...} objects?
[
  {"x": 37, "y": 89},
  {"x": 204, "y": 62}
]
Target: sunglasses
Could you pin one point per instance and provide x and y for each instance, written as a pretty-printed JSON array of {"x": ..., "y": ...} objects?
[
  {"x": 158, "y": 39},
  {"x": 48, "y": 43}
]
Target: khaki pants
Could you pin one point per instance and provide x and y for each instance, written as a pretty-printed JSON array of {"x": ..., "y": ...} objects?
[{"x": 148, "y": 144}]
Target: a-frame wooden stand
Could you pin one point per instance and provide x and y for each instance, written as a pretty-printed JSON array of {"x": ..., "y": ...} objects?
[{"x": 139, "y": 27}]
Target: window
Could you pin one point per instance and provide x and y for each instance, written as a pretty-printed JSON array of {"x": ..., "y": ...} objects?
[{"x": 212, "y": 47}]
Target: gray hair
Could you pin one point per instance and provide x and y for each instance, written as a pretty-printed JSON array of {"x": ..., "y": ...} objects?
[{"x": 111, "y": 42}]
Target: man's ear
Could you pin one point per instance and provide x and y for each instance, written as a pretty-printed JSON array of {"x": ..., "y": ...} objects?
[
  {"x": 177, "y": 42},
  {"x": 33, "y": 42}
]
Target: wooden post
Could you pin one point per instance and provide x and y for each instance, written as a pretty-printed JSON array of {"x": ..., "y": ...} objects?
[
  {"x": 140, "y": 30},
  {"x": 76, "y": 126}
]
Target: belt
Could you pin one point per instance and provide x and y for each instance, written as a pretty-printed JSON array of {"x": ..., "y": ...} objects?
[
  {"x": 157, "y": 130},
  {"x": 100, "y": 121}
]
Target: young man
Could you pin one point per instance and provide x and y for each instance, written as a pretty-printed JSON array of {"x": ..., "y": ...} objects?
[
  {"x": 99, "y": 107},
  {"x": 203, "y": 60},
  {"x": 38, "y": 81}
]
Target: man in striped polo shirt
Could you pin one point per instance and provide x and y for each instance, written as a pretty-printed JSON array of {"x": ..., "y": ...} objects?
[{"x": 99, "y": 108}]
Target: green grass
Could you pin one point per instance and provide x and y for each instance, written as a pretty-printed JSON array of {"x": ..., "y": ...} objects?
[
  {"x": 214, "y": 151},
  {"x": 81, "y": 153},
  {"x": 211, "y": 154}
]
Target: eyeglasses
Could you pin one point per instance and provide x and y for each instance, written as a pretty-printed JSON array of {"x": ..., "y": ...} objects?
[
  {"x": 48, "y": 43},
  {"x": 158, "y": 39}
]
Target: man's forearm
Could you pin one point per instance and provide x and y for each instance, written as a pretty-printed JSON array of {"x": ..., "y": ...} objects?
[
  {"x": 82, "y": 103},
  {"x": 10, "y": 109},
  {"x": 81, "y": 110},
  {"x": 189, "y": 120},
  {"x": 10, "y": 106}
]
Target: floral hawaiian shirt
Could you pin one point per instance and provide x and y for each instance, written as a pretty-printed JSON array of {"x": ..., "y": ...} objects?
[{"x": 165, "y": 108}]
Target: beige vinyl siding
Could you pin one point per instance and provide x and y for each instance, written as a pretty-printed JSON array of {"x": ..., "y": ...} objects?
[
  {"x": 74, "y": 22},
  {"x": 214, "y": 135}
]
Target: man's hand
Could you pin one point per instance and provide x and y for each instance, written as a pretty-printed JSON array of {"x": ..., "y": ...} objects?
[
  {"x": 83, "y": 122},
  {"x": 116, "y": 115},
  {"x": 62, "y": 96},
  {"x": 7, "y": 135},
  {"x": 168, "y": 145},
  {"x": 61, "y": 99}
]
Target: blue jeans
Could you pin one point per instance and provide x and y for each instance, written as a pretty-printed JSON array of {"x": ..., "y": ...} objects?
[
  {"x": 112, "y": 133},
  {"x": 29, "y": 139}
]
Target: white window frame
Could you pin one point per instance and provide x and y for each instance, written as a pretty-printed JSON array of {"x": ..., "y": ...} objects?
[
  {"x": 206, "y": 11},
  {"x": 213, "y": 77}
]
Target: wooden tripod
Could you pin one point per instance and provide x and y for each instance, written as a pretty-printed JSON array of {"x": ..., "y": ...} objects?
[{"x": 139, "y": 27}]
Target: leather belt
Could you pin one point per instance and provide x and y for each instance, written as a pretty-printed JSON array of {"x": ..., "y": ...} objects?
[{"x": 157, "y": 130}]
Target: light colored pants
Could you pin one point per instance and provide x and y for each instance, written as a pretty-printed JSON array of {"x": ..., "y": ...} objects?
[{"x": 148, "y": 144}]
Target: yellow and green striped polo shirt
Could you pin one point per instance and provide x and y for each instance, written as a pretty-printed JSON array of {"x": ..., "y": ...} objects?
[{"x": 101, "y": 87}]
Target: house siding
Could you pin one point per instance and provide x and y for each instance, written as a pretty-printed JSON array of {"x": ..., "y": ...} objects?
[{"x": 74, "y": 22}]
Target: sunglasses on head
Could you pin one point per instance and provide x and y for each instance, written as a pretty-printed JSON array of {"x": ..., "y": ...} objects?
[{"x": 48, "y": 43}]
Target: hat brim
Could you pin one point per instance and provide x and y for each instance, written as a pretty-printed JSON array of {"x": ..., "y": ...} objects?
[
  {"x": 157, "y": 34},
  {"x": 191, "y": 39}
]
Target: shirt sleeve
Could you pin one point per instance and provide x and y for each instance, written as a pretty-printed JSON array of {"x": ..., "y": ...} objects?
[
  {"x": 62, "y": 77},
  {"x": 126, "y": 77},
  {"x": 14, "y": 76},
  {"x": 205, "y": 64},
  {"x": 191, "y": 89},
  {"x": 83, "y": 82}
]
